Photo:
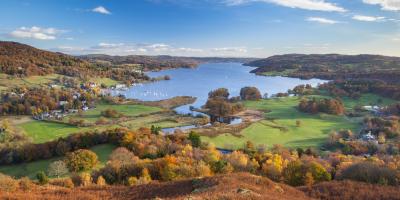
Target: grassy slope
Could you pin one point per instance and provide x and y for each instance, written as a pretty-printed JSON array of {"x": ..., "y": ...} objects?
[
  {"x": 41, "y": 131},
  {"x": 313, "y": 131},
  {"x": 128, "y": 110},
  {"x": 106, "y": 81},
  {"x": 30, "y": 169},
  {"x": 7, "y": 81}
]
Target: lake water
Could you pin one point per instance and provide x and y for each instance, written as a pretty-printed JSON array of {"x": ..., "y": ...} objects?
[{"x": 201, "y": 80}]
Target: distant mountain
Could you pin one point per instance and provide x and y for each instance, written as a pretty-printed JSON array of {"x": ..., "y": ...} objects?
[
  {"x": 24, "y": 60},
  {"x": 330, "y": 66},
  {"x": 148, "y": 62},
  {"x": 151, "y": 63}
]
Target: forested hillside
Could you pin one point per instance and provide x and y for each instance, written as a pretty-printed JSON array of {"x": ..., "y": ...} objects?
[
  {"x": 330, "y": 66},
  {"x": 23, "y": 60}
]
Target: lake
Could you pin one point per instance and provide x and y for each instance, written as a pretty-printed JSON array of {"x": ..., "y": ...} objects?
[{"x": 201, "y": 80}]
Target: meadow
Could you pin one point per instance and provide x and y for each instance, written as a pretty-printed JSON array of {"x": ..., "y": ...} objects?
[
  {"x": 280, "y": 127},
  {"x": 137, "y": 116},
  {"x": 32, "y": 168},
  {"x": 92, "y": 115}
]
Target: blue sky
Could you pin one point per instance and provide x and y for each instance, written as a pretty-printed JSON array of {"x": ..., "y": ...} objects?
[{"x": 251, "y": 28}]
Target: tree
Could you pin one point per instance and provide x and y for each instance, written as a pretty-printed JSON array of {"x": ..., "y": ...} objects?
[
  {"x": 309, "y": 179},
  {"x": 155, "y": 129},
  {"x": 57, "y": 169},
  {"x": 145, "y": 177},
  {"x": 86, "y": 179},
  {"x": 81, "y": 159},
  {"x": 298, "y": 123},
  {"x": 220, "y": 93},
  {"x": 195, "y": 139},
  {"x": 42, "y": 178},
  {"x": 293, "y": 173},
  {"x": 250, "y": 93}
]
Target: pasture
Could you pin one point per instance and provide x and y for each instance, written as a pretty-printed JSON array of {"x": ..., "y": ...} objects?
[{"x": 32, "y": 168}]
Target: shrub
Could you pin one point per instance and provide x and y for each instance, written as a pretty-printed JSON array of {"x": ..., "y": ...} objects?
[
  {"x": 8, "y": 184},
  {"x": 370, "y": 173},
  {"x": 132, "y": 181},
  {"x": 63, "y": 182},
  {"x": 195, "y": 139},
  {"x": 101, "y": 181},
  {"x": 26, "y": 184},
  {"x": 110, "y": 113},
  {"x": 42, "y": 178},
  {"x": 86, "y": 179}
]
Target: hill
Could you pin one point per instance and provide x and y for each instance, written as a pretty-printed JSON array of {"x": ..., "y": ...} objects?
[
  {"x": 330, "y": 66},
  {"x": 24, "y": 60},
  {"x": 341, "y": 190},
  {"x": 149, "y": 63},
  {"x": 152, "y": 63},
  {"x": 237, "y": 186},
  {"x": 233, "y": 186}
]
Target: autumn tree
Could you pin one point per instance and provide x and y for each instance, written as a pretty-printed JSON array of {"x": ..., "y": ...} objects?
[
  {"x": 250, "y": 93},
  {"x": 81, "y": 160}
]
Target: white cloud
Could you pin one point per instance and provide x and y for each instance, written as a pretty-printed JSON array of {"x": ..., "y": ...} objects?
[
  {"x": 368, "y": 18},
  {"x": 322, "y": 20},
  {"x": 151, "y": 49},
  {"x": 319, "y": 5},
  {"x": 109, "y": 45},
  {"x": 392, "y": 5},
  {"x": 230, "y": 49},
  {"x": 101, "y": 10},
  {"x": 35, "y": 32}
]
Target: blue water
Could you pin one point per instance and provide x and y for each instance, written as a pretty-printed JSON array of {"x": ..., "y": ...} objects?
[{"x": 199, "y": 81}]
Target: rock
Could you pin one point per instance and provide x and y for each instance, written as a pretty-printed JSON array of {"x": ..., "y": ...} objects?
[{"x": 243, "y": 191}]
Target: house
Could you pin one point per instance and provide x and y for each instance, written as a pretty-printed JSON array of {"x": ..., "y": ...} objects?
[
  {"x": 368, "y": 136},
  {"x": 62, "y": 103},
  {"x": 120, "y": 87},
  {"x": 92, "y": 85}
]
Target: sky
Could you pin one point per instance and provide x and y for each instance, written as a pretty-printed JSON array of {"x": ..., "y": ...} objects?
[{"x": 228, "y": 28}]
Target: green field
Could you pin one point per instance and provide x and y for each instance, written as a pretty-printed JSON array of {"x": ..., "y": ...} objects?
[
  {"x": 280, "y": 128},
  {"x": 7, "y": 81},
  {"x": 30, "y": 169},
  {"x": 93, "y": 115},
  {"x": 106, "y": 81},
  {"x": 367, "y": 100},
  {"x": 43, "y": 131}
]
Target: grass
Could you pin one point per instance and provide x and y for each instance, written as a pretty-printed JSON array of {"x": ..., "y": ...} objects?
[
  {"x": 313, "y": 131},
  {"x": 41, "y": 131},
  {"x": 32, "y": 168},
  {"x": 128, "y": 110},
  {"x": 106, "y": 81},
  {"x": 7, "y": 81},
  {"x": 279, "y": 73},
  {"x": 366, "y": 100}
]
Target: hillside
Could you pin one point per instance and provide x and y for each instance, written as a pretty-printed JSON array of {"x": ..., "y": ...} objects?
[
  {"x": 239, "y": 186},
  {"x": 340, "y": 190},
  {"x": 151, "y": 63},
  {"x": 330, "y": 66},
  {"x": 148, "y": 62},
  {"x": 24, "y": 60}
]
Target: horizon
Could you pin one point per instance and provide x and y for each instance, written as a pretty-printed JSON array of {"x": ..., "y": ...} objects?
[{"x": 205, "y": 28}]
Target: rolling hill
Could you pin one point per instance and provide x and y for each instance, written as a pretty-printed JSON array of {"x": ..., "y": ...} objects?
[{"x": 330, "y": 66}]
